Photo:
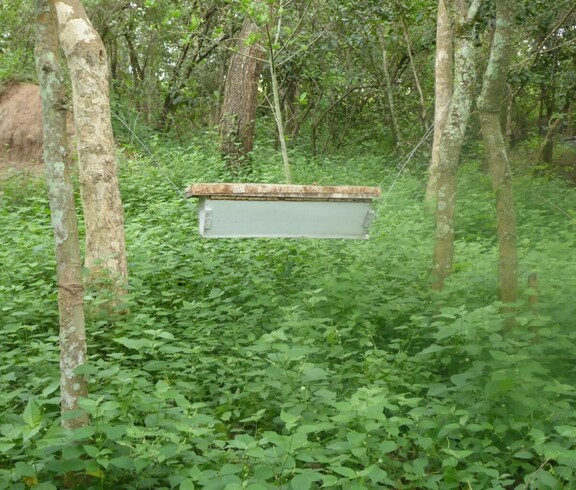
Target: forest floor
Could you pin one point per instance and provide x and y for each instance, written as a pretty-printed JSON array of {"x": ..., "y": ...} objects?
[
  {"x": 272, "y": 363},
  {"x": 9, "y": 167},
  {"x": 295, "y": 363}
]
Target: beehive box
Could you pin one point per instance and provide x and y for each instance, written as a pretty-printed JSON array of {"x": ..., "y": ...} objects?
[{"x": 284, "y": 211}]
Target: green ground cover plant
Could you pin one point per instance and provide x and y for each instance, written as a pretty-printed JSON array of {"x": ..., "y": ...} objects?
[{"x": 295, "y": 364}]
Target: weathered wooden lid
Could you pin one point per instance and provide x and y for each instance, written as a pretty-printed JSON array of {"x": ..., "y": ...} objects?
[{"x": 283, "y": 191}]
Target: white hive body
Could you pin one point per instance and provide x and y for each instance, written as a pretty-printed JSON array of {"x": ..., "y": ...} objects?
[{"x": 284, "y": 211}]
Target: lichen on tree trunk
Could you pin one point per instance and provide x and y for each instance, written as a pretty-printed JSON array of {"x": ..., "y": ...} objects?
[
  {"x": 490, "y": 103},
  {"x": 443, "y": 86},
  {"x": 63, "y": 214},
  {"x": 451, "y": 143},
  {"x": 98, "y": 173}
]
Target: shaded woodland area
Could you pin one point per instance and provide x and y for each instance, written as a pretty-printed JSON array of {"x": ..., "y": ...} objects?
[
  {"x": 437, "y": 354},
  {"x": 348, "y": 71}
]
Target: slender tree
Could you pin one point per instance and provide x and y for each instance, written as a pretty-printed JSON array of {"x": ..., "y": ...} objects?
[
  {"x": 63, "y": 213},
  {"x": 272, "y": 40},
  {"x": 462, "y": 17},
  {"x": 103, "y": 215},
  {"x": 407, "y": 40},
  {"x": 443, "y": 86},
  {"x": 394, "y": 128},
  {"x": 238, "y": 115},
  {"x": 490, "y": 103}
]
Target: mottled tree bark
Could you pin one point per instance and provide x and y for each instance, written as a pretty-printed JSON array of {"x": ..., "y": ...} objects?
[
  {"x": 63, "y": 213},
  {"x": 452, "y": 138},
  {"x": 237, "y": 120},
  {"x": 490, "y": 103},
  {"x": 103, "y": 215},
  {"x": 443, "y": 87}
]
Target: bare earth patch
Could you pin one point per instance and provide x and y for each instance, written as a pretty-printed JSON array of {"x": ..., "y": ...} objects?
[{"x": 21, "y": 128}]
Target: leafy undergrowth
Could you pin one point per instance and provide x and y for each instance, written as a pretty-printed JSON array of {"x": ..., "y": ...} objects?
[{"x": 295, "y": 363}]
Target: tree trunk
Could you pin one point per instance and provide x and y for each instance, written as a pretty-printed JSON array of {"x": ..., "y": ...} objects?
[
  {"x": 389, "y": 95},
  {"x": 509, "y": 133},
  {"x": 103, "y": 214},
  {"x": 63, "y": 213},
  {"x": 490, "y": 103},
  {"x": 451, "y": 142},
  {"x": 237, "y": 120},
  {"x": 279, "y": 121},
  {"x": 570, "y": 120},
  {"x": 546, "y": 150},
  {"x": 173, "y": 89},
  {"x": 423, "y": 111},
  {"x": 291, "y": 105},
  {"x": 443, "y": 93}
]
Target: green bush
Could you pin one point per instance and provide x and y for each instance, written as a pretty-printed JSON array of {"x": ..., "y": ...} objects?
[{"x": 294, "y": 363}]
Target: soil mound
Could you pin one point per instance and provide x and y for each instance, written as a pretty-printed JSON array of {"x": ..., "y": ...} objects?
[{"x": 20, "y": 125}]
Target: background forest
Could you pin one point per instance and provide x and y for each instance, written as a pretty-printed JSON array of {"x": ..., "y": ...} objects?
[{"x": 300, "y": 364}]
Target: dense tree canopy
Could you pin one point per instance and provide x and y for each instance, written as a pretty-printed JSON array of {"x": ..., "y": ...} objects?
[{"x": 169, "y": 60}]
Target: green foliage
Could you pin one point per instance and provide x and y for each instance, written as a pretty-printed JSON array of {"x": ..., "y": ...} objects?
[
  {"x": 16, "y": 42},
  {"x": 17, "y": 66},
  {"x": 293, "y": 363}
]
